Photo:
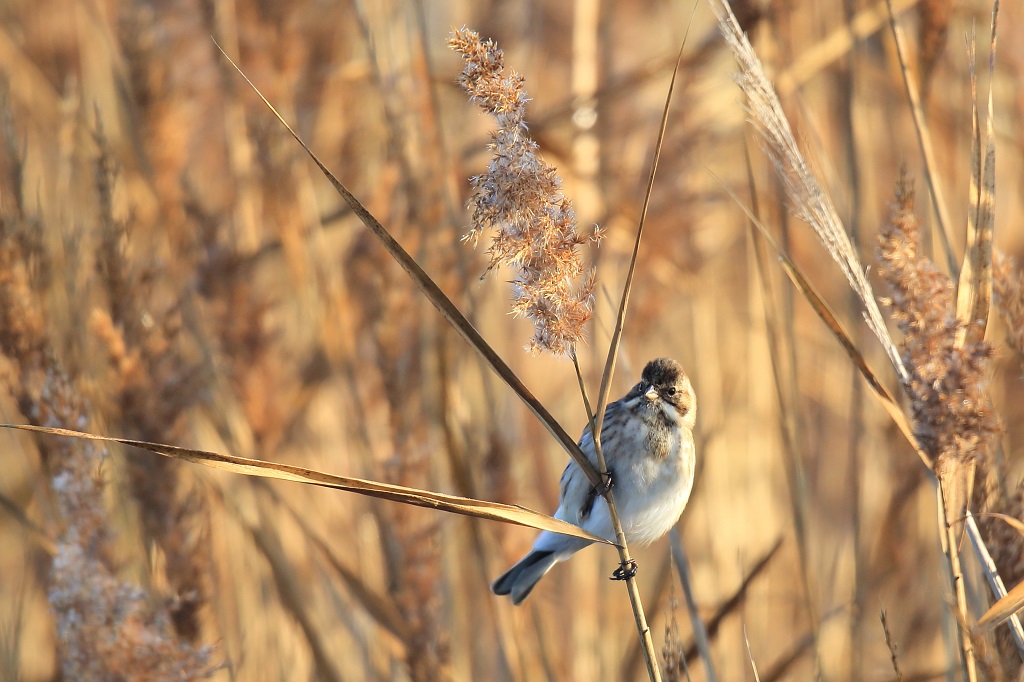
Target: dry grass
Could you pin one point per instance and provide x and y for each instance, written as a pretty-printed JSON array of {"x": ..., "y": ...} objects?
[{"x": 172, "y": 268}]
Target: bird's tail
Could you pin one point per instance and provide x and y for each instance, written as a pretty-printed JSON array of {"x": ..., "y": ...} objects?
[{"x": 520, "y": 580}]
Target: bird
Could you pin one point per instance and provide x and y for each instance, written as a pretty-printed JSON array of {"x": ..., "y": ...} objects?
[{"x": 647, "y": 440}]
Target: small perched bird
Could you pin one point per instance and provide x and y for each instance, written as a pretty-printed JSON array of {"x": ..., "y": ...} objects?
[{"x": 647, "y": 439}]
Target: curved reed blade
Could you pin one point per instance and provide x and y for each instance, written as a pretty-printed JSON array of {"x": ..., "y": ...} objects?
[
  {"x": 481, "y": 509},
  {"x": 807, "y": 199},
  {"x": 1004, "y": 608},
  {"x": 1016, "y": 524},
  {"x": 974, "y": 288},
  {"x": 824, "y": 312},
  {"x": 437, "y": 297}
]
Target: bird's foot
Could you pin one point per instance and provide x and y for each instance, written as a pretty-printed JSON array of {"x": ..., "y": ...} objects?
[
  {"x": 606, "y": 484},
  {"x": 625, "y": 571}
]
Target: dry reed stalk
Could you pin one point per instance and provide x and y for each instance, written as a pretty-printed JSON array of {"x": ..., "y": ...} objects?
[
  {"x": 849, "y": 77},
  {"x": 807, "y": 199},
  {"x": 891, "y": 644},
  {"x": 750, "y": 656},
  {"x": 521, "y": 196},
  {"x": 700, "y": 633},
  {"x": 781, "y": 336},
  {"x": 991, "y": 572},
  {"x": 948, "y": 383},
  {"x": 924, "y": 141}
]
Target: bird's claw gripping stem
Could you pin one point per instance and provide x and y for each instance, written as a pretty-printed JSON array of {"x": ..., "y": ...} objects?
[{"x": 625, "y": 571}]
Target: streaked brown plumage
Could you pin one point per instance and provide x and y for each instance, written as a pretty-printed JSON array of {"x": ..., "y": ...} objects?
[{"x": 648, "y": 445}]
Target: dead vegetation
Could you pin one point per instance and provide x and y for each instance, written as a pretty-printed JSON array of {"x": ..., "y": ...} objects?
[{"x": 172, "y": 268}]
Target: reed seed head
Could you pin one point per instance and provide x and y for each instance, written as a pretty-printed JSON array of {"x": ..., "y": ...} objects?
[{"x": 520, "y": 197}]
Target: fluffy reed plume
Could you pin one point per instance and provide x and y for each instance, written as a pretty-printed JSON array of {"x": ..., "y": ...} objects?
[
  {"x": 808, "y": 201},
  {"x": 107, "y": 628},
  {"x": 947, "y": 385},
  {"x": 520, "y": 196}
]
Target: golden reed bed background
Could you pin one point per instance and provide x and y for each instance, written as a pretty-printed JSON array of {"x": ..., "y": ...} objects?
[{"x": 173, "y": 268}]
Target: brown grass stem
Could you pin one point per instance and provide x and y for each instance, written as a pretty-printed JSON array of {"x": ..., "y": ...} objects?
[
  {"x": 700, "y": 633},
  {"x": 620, "y": 318},
  {"x": 438, "y": 298},
  {"x": 995, "y": 581},
  {"x": 951, "y": 548},
  {"x": 925, "y": 143},
  {"x": 597, "y": 420},
  {"x": 891, "y": 644},
  {"x": 643, "y": 629}
]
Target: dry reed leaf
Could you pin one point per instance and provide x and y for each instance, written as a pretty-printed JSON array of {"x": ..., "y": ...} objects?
[
  {"x": 974, "y": 289},
  {"x": 824, "y": 312},
  {"x": 438, "y": 298},
  {"x": 924, "y": 141},
  {"x": 481, "y": 509},
  {"x": 807, "y": 200},
  {"x": 1016, "y": 524},
  {"x": 1004, "y": 608}
]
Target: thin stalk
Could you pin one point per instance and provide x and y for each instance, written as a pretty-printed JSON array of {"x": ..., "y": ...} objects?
[
  {"x": 750, "y": 655},
  {"x": 436, "y": 295},
  {"x": 994, "y": 580},
  {"x": 848, "y": 87},
  {"x": 597, "y": 420},
  {"x": 925, "y": 142},
  {"x": 650, "y": 656},
  {"x": 700, "y": 633},
  {"x": 950, "y": 543}
]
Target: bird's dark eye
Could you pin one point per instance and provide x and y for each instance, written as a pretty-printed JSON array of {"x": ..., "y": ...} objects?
[{"x": 672, "y": 391}]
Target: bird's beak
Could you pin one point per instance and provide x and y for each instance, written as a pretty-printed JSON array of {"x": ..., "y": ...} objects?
[{"x": 651, "y": 394}]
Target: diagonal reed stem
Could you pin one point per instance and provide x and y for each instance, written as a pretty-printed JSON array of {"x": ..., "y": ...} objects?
[
  {"x": 644, "y": 630},
  {"x": 597, "y": 420}
]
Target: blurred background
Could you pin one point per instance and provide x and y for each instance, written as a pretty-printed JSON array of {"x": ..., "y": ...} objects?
[{"x": 174, "y": 268}]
